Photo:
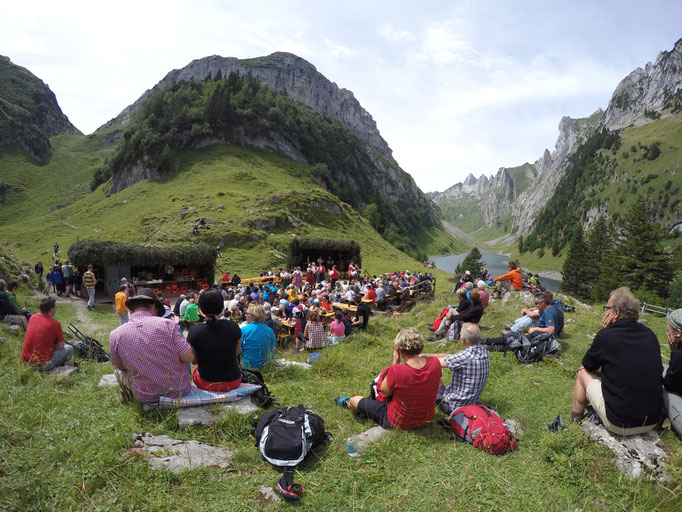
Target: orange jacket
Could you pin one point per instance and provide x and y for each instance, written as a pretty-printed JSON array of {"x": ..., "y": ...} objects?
[{"x": 514, "y": 276}]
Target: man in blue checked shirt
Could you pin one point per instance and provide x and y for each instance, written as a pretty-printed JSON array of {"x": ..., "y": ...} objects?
[{"x": 470, "y": 369}]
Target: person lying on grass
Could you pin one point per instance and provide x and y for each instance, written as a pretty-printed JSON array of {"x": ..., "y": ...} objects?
[
  {"x": 411, "y": 387},
  {"x": 470, "y": 369},
  {"x": 622, "y": 373}
]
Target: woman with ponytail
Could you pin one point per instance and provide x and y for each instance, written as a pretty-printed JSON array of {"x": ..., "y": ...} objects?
[{"x": 218, "y": 346}]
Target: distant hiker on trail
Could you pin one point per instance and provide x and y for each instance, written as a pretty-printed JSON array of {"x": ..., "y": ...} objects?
[
  {"x": 39, "y": 271},
  {"x": 195, "y": 231},
  {"x": 56, "y": 249},
  {"x": 626, "y": 393},
  {"x": 149, "y": 353},
  {"x": 505, "y": 282},
  {"x": 470, "y": 369},
  {"x": 44, "y": 345},
  {"x": 89, "y": 282},
  {"x": 672, "y": 382},
  {"x": 411, "y": 385}
]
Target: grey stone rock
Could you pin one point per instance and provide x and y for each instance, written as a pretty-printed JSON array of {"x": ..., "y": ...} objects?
[
  {"x": 636, "y": 456},
  {"x": 176, "y": 455},
  {"x": 514, "y": 426},
  {"x": 201, "y": 415},
  {"x": 284, "y": 363},
  {"x": 270, "y": 494},
  {"x": 63, "y": 371},
  {"x": 108, "y": 380},
  {"x": 183, "y": 212}
]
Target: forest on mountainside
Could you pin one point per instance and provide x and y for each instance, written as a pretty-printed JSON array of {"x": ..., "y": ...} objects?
[{"x": 237, "y": 110}]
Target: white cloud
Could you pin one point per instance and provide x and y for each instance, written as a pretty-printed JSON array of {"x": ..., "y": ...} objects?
[{"x": 337, "y": 49}]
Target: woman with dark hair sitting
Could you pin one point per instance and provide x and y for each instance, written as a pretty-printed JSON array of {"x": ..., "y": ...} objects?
[{"x": 218, "y": 347}]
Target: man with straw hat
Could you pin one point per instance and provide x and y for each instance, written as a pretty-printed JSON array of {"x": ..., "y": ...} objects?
[{"x": 149, "y": 352}]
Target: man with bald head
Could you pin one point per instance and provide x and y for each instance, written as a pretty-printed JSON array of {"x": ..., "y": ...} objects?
[{"x": 470, "y": 369}]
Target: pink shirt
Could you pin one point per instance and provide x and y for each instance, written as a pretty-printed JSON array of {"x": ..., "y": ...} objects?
[
  {"x": 338, "y": 328},
  {"x": 149, "y": 348}
]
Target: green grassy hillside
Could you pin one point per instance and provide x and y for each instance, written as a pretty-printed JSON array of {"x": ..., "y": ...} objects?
[
  {"x": 254, "y": 201},
  {"x": 65, "y": 442}
]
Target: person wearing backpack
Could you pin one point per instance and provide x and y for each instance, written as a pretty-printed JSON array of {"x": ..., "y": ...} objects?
[
  {"x": 470, "y": 369},
  {"x": 411, "y": 387}
]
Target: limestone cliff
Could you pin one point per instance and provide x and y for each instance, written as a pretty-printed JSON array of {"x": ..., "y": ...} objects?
[
  {"x": 282, "y": 72},
  {"x": 29, "y": 112},
  {"x": 642, "y": 97}
]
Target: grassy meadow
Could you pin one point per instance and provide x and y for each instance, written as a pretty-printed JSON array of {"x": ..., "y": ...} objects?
[
  {"x": 64, "y": 442},
  {"x": 254, "y": 202}
]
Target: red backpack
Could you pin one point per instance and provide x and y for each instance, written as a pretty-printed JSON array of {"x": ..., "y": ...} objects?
[
  {"x": 440, "y": 318},
  {"x": 482, "y": 427}
]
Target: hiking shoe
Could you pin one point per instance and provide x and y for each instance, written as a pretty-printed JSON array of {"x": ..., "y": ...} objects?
[
  {"x": 341, "y": 401},
  {"x": 289, "y": 493},
  {"x": 556, "y": 425},
  {"x": 431, "y": 338},
  {"x": 504, "y": 332},
  {"x": 431, "y": 328},
  {"x": 508, "y": 327}
]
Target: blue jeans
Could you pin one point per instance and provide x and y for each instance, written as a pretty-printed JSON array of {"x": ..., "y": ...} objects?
[
  {"x": 522, "y": 324},
  {"x": 91, "y": 297}
]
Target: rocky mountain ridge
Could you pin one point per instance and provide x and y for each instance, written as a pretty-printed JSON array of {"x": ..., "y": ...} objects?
[
  {"x": 29, "y": 112},
  {"x": 641, "y": 97},
  {"x": 282, "y": 72}
]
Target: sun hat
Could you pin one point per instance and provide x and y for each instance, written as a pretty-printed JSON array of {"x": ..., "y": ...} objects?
[{"x": 145, "y": 295}]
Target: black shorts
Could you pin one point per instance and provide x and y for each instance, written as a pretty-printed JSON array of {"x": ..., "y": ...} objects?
[{"x": 375, "y": 411}]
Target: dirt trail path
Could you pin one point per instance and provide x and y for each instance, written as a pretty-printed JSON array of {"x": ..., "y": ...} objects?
[
  {"x": 459, "y": 234},
  {"x": 85, "y": 323}
]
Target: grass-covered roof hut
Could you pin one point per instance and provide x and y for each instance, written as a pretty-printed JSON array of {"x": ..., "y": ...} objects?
[
  {"x": 116, "y": 260},
  {"x": 341, "y": 251}
]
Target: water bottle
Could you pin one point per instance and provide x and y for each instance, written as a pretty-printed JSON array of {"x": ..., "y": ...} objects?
[{"x": 352, "y": 447}]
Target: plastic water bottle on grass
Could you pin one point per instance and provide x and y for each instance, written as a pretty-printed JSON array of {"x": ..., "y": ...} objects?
[{"x": 352, "y": 447}]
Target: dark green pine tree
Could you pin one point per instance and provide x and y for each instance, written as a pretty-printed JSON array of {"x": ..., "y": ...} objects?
[
  {"x": 646, "y": 265},
  {"x": 573, "y": 280},
  {"x": 472, "y": 262},
  {"x": 599, "y": 244}
]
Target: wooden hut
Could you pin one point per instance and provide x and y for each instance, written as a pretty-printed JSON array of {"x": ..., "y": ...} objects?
[
  {"x": 341, "y": 251},
  {"x": 170, "y": 270}
]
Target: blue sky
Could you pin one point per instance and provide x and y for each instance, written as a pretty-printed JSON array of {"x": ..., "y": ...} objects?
[{"x": 455, "y": 87}]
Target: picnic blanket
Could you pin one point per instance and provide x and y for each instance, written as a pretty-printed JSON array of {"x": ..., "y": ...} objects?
[{"x": 202, "y": 397}]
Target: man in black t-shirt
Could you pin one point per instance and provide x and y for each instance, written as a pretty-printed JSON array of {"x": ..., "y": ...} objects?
[{"x": 622, "y": 372}]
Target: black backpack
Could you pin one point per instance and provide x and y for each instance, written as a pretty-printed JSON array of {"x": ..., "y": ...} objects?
[
  {"x": 262, "y": 397},
  {"x": 529, "y": 350},
  {"x": 285, "y": 436}
]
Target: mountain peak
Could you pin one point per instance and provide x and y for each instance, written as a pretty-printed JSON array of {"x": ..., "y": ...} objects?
[{"x": 282, "y": 72}]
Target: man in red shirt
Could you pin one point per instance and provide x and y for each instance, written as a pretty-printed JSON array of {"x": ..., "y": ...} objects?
[
  {"x": 333, "y": 276},
  {"x": 412, "y": 385},
  {"x": 44, "y": 345}
]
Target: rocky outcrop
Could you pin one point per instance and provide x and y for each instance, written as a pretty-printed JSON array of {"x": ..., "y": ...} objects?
[
  {"x": 522, "y": 191},
  {"x": 282, "y": 72},
  {"x": 644, "y": 90},
  {"x": 32, "y": 113},
  {"x": 640, "y": 98}
]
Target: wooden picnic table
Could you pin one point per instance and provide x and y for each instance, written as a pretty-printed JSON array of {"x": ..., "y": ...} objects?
[{"x": 345, "y": 307}]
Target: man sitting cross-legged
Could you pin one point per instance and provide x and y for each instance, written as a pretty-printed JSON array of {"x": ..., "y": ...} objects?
[
  {"x": 44, "y": 345},
  {"x": 411, "y": 386},
  {"x": 470, "y": 369},
  {"x": 149, "y": 352},
  {"x": 622, "y": 373}
]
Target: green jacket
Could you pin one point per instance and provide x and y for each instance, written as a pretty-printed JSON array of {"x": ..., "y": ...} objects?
[
  {"x": 18, "y": 310},
  {"x": 191, "y": 313}
]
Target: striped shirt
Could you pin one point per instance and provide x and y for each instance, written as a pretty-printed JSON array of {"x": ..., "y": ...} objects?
[{"x": 89, "y": 280}]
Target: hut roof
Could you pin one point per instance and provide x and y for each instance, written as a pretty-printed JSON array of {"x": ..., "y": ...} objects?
[
  {"x": 101, "y": 254},
  {"x": 299, "y": 248}
]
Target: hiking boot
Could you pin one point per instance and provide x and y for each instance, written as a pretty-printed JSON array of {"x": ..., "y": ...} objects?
[
  {"x": 431, "y": 328},
  {"x": 508, "y": 327},
  {"x": 504, "y": 332},
  {"x": 431, "y": 338},
  {"x": 341, "y": 401}
]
